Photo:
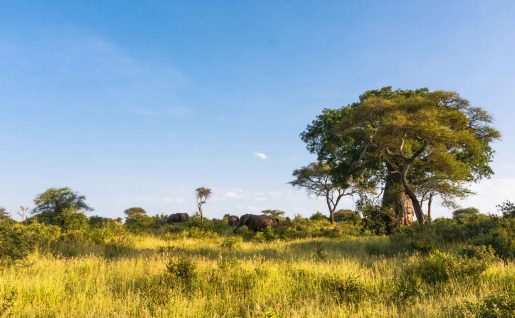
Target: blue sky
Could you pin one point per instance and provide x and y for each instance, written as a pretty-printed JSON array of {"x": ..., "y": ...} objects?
[{"x": 137, "y": 104}]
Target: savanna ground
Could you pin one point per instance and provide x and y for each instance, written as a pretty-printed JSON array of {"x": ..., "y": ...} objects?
[{"x": 155, "y": 276}]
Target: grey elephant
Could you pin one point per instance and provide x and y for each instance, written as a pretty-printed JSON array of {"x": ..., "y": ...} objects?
[
  {"x": 178, "y": 217},
  {"x": 233, "y": 220},
  {"x": 256, "y": 222}
]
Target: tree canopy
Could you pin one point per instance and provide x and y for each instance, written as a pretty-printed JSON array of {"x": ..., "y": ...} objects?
[
  {"x": 56, "y": 204},
  {"x": 317, "y": 178},
  {"x": 430, "y": 140}
]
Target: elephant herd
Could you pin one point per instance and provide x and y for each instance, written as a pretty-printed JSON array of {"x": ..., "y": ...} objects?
[{"x": 256, "y": 223}]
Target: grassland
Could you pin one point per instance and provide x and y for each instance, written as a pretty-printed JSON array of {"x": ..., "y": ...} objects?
[{"x": 225, "y": 277}]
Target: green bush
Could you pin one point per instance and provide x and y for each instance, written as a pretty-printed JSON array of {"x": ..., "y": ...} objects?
[
  {"x": 347, "y": 289},
  {"x": 43, "y": 235},
  {"x": 269, "y": 234},
  {"x": 440, "y": 267},
  {"x": 318, "y": 217},
  {"x": 15, "y": 242},
  {"x": 501, "y": 238},
  {"x": 494, "y": 306},
  {"x": 182, "y": 269},
  {"x": 347, "y": 216},
  {"x": 377, "y": 220}
]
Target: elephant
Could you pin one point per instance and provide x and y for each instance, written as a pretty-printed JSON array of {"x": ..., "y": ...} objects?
[
  {"x": 256, "y": 222},
  {"x": 178, "y": 217},
  {"x": 233, "y": 220}
]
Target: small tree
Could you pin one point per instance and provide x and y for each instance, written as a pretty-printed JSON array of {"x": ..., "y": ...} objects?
[
  {"x": 135, "y": 212},
  {"x": 202, "y": 195},
  {"x": 24, "y": 212},
  {"x": 53, "y": 202},
  {"x": 274, "y": 213},
  {"x": 137, "y": 220},
  {"x": 318, "y": 180},
  {"x": 4, "y": 215},
  {"x": 507, "y": 208}
]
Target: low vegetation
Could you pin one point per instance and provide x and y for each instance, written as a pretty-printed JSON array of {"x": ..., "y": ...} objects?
[{"x": 301, "y": 268}]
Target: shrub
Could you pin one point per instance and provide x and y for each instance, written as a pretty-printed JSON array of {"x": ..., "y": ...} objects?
[
  {"x": 183, "y": 269},
  {"x": 347, "y": 289},
  {"x": 15, "y": 242},
  {"x": 269, "y": 234},
  {"x": 42, "y": 235},
  {"x": 501, "y": 239},
  {"x": 318, "y": 217},
  {"x": 377, "y": 220},
  {"x": 347, "y": 216},
  {"x": 229, "y": 243},
  {"x": 494, "y": 306},
  {"x": 439, "y": 267}
]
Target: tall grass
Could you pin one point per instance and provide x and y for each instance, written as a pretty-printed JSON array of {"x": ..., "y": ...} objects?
[{"x": 300, "y": 278}]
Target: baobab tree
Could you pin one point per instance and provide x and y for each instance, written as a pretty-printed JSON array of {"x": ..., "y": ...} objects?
[{"x": 407, "y": 138}]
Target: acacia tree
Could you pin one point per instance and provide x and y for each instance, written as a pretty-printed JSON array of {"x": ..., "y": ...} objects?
[
  {"x": 4, "y": 215},
  {"x": 54, "y": 202},
  {"x": 318, "y": 180},
  {"x": 408, "y": 138},
  {"x": 202, "y": 195},
  {"x": 274, "y": 213},
  {"x": 24, "y": 212}
]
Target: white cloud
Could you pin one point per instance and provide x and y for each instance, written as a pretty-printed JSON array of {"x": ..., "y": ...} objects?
[{"x": 261, "y": 155}]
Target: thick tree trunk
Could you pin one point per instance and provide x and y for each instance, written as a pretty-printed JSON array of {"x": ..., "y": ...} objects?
[{"x": 395, "y": 198}]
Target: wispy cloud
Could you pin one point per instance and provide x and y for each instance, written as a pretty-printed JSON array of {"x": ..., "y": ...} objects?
[
  {"x": 261, "y": 155},
  {"x": 96, "y": 72}
]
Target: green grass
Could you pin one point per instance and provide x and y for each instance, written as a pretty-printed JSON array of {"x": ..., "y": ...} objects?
[{"x": 300, "y": 278}]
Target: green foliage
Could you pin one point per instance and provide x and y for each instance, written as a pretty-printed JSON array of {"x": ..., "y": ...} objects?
[
  {"x": 43, "y": 235},
  {"x": 183, "y": 269},
  {"x": 273, "y": 213},
  {"x": 434, "y": 141},
  {"x": 139, "y": 223},
  {"x": 4, "y": 215},
  {"x": 300, "y": 227},
  {"x": 376, "y": 219},
  {"x": 347, "y": 216},
  {"x": 134, "y": 212},
  {"x": 53, "y": 202},
  {"x": 501, "y": 239},
  {"x": 318, "y": 216},
  {"x": 494, "y": 306},
  {"x": 269, "y": 234},
  {"x": 507, "y": 209},
  {"x": 440, "y": 267},
  {"x": 15, "y": 243},
  {"x": 468, "y": 215},
  {"x": 484, "y": 230},
  {"x": 347, "y": 289},
  {"x": 229, "y": 243}
]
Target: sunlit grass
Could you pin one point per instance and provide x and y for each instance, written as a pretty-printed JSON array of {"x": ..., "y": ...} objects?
[{"x": 301, "y": 278}]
